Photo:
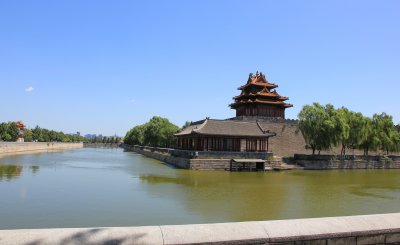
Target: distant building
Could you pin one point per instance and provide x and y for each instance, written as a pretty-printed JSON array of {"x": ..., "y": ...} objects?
[
  {"x": 259, "y": 125},
  {"x": 21, "y": 127}
]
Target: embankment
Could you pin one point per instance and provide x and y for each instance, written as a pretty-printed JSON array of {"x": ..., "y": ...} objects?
[
  {"x": 201, "y": 161},
  {"x": 362, "y": 229},
  {"x": 326, "y": 162},
  {"x": 7, "y": 148}
]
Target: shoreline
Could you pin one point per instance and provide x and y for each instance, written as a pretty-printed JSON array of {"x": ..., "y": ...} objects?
[
  {"x": 303, "y": 161},
  {"x": 16, "y": 148}
]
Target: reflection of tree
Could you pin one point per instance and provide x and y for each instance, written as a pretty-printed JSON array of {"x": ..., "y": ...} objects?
[
  {"x": 35, "y": 168},
  {"x": 225, "y": 196},
  {"x": 10, "y": 172}
]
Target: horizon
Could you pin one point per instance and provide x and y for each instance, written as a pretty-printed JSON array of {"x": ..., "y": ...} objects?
[{"x": 102, "y": 68}]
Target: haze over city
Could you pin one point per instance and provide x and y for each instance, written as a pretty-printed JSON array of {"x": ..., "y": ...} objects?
[{"x": 102, "y": 67}]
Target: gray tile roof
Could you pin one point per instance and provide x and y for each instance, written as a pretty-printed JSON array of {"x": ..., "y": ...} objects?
[{"x": 226, "y": 128}]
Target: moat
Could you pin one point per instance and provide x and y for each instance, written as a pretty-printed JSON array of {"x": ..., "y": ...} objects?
[{"x": 109, "y": 187}]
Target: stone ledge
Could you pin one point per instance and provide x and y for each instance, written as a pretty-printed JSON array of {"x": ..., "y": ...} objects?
[{"x": 363, "y": 229}]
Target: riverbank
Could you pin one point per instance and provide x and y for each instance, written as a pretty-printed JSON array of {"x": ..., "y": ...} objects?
[
  {"x": 203, "y": 161},
  {"x": 11, "y": 148},
  {"x": 222, "y": 160},
  {"x": 362, "y": 229}
]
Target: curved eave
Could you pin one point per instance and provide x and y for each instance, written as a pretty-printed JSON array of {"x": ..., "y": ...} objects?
[
  {"x": 268, "y": 85},
  {"x": 264, "y": 135},
  {"x": 274, "y": 103}
]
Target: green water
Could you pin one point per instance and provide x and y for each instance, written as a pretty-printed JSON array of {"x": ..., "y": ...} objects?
[{"x": 109, "y": 187}]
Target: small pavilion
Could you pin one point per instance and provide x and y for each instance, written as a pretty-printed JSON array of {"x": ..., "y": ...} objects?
[{"x": 224, "y": 135}]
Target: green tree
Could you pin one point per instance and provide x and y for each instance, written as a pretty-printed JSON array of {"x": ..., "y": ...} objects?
[
  {"x": 9, "y": 131},
  {"x": 160, "y": 132},
  {"x": 157, "y": 132},
  {"x": 28, "y": 136},
  {"x": 318, "y": 124},
  {"x": 135, "y": 136},
  {"x": 386, "y": 131},
  {"x": 356, "y": 129},
  {"x": 370, "y": 137}
]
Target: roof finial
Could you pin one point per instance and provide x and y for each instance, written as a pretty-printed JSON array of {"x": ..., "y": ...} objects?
[{"x": 257, "y": 73}]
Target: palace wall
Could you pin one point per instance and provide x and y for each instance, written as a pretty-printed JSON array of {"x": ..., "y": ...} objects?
[
  {"x": 28, "y": 147},
  {"x": 288, "y": 140}
]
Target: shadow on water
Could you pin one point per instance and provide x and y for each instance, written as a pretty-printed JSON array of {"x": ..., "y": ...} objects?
[{"x": 10, "y": 171}]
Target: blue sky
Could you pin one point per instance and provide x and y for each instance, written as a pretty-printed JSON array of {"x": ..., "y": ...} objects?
[{"x": 105, "y": 66}]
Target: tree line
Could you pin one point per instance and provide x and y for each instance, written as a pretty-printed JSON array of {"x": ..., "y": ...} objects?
[
  {"x": 324, "y": 127},
  {"x": 9, "y": 132},
  {"x": 103, "y": 139},
  {"x": 157, "y": 132}
]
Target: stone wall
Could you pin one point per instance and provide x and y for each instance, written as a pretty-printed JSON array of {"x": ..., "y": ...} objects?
[
  {"x": 166, "y": 155},
  {"x": 288, "y": 140},
  {"x": 160, "y": 155},
  {"x": 359, "y": 230},
  {"x": 323, "y": 162},
  {"x": 219, "y": 154},
  {"x": 16, "y": 147}
]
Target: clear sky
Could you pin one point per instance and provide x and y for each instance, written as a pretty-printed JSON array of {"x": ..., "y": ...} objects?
[{"x": 105, "y": 66}]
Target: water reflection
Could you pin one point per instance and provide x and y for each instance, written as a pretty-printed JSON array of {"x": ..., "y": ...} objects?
[
  {"x": 9, "y": 172},
  {"x": 221, "y": 196},
  {"x": 263, "y": 196},
  {"x": 101, "y": 187},
  {"x": 34, "y": 169}
]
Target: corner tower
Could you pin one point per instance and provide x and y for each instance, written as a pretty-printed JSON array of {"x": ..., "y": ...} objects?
[{"x": 259, "y": 99}]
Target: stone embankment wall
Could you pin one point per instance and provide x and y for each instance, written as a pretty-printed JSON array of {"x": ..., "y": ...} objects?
[
  {"x": 201, "y": 162},
  {"x": 322, "y": 162},
  {"x": 221, "y": 160},
  {"x": 359, "y": 230},
  {"x": 14, "y": 147},
  {"x": 160, "y": 154}
]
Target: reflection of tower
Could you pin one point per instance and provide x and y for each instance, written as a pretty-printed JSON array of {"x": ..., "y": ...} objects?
[{"x": 21, "y": 127}]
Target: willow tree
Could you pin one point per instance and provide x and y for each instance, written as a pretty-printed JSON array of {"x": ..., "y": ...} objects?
[
  {"x": 370, "y": 136},
  {"x": 386, "y": 131},
  {"x": 314, "y": 125},
  {"x": 355, "y": 126},
  {"x": 324, "y": 126}
]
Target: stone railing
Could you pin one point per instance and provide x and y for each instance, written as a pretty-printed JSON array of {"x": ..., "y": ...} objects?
[{"x": 363, "y": 229}]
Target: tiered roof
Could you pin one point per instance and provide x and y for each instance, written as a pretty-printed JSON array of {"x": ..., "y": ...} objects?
[
  {"x": 258, "y": 90},
  {"x": 20, "y": 124}
]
